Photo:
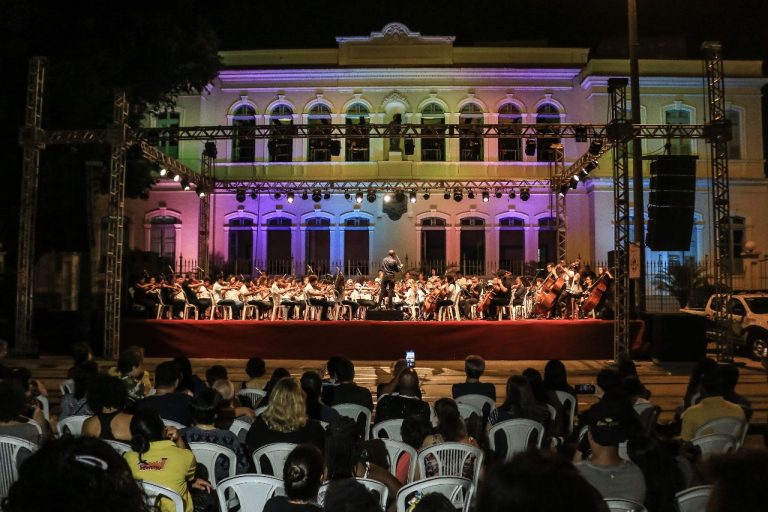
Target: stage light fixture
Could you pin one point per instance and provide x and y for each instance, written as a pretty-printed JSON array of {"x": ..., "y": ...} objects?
[
  {"x": 595, "y": 146},
  {"x": 289, "y": 197},
  {"x": 525, "y": 194},
  {"x": 240, "y": 195},
  {"x": 582, "y": 174},
  {"x": 185, "y": 184},
  {"x": 254, "y": 195},
  {"x": 387, "y": 197},
  {"x": 511, "y": 194},
  {"x": 163, "y": 171},
  {"x": 176, "y": 178},
  {"x": 426, "y": 195},
  {"x": 591, "y": 166},
  {"x": 574, "y": 182},
  {"x": 399, "y": 196},
  {"x": 210, "y": 149},
  {"x": 486, "y": 196},
  {"x": 471, "y": 194},
  {"x": 201, "y": 193},
  {"x": 412, "y": 197},
  {"x": 498, "y": 194},
  {"x": 371, "y": 196},
  {"x": 347, "y": 196},
  {"x": 530, "y": 147},
  {"x": 447, "y": 195},
  {"x": 359, "y": 197},
  {"x": 277, "y": 195},
  {"x": 327, "y": 196},
  {"x": 563, "y": 189},
  {"x": 457, "y": 195},
  {"x": 304, "y": 195},
  {"x": 316, "y": 196}
]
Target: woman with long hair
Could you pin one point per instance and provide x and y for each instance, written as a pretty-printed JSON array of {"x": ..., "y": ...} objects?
[
  {"x": 450, "y": 429},
  {"x": 107, "y": 398},
  {"x": 520, "y": 403}
]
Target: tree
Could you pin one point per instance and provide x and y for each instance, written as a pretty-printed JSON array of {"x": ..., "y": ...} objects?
[{"x": 681, "y": 281}]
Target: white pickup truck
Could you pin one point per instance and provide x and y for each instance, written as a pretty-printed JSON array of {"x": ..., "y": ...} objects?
[{"x": 750, "y": 319}]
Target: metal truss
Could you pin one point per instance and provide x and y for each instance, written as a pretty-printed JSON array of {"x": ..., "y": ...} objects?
[
  {"x": 342, "y": 186},
  {"x": 559, "y": 189},
  {"x": 575, "y": 168},
  {"x": 204, "y": 222},
  {"x": 115, "y": 228},
  {"x": 720, "y": 134},
  {"x": 31, "y": 140},
  {"x": 153, "y": 154},
  {"x": 617, "y": 87}
]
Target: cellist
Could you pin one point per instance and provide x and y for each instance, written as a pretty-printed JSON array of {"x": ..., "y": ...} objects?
[{"x": 502, "y": 287}]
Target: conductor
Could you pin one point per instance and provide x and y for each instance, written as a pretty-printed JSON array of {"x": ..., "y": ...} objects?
[{"x": 390, "y": 266}]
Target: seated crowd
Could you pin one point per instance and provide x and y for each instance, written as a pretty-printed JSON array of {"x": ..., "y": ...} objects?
[{"x": 342, "y": 461}]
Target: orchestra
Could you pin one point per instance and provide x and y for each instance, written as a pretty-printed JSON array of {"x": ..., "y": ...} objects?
[{"x": 562, "y": 291}]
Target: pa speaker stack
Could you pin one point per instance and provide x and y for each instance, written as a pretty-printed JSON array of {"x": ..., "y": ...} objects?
[{"x": 671, "y": 202}]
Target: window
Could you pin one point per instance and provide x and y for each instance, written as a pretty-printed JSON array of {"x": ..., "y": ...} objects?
[
  {"x": 357, "y": 149},
  {"x": 471, "y": 137},
  {"x": 433, "y": 244},
  {"x": 472, "y": 246},
  {"x": 279, "y": 259},
  {"x": 168, "y": 144},
  {"x": 547, "y": 240},
  {"x": 356, "y": 254},
  {"x": 509, "y": 149},
  {"x": 433, "y": 146},
  {"x": 679, "y": 116},
  {"x": 318, "y": 244},
  {"x": 244, "y": 146},
  {"x": 280, "y": 143},
  {"x": 547, "y": 114},
  {"x": 162, "y": 237},
  {"x": 241, "y": 245},
  {"x": 319, "y": 120},
  {"x": 734, "y": 145},
  {"x": 738, "y": 237},
  {"x": 511, "y": 242}
]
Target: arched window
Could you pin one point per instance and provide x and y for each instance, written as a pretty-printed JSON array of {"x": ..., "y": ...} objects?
[
  {"x": 547, "y": 239},
  {"x": 433, "y": 244},
  {"x": 471, "y": 138},
  {"x": 509, "y": 149},
  {"x": 734, "y": 145},
  {"x": 679, "y": 115},
  {"x": 356, "y": 244},
  {"x": 280, "y": 143},
  {"x": 433, "y": 145},
  {"x": 241, "y": 244},
  {"x": 547, "y": 114},
  {"x": 511, "y": 242},
  {"x": 279, "y": 260},
  {"x": 357, "y": 119},
  {"x": 319, "y": 120},
  {"x": 472, "y": 246},
  {"x": 168, "y": 144},
  {"x": 738, "y": 238},
  {"x": 244, "y": 145},
  {"x": 318, "y": 244},
  {"x": 162, "y": 236}
]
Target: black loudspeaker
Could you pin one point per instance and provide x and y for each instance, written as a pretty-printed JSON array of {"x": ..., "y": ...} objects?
[
  {"x": 408, "y": 146},
  {"x": 676, "y": 336},
  {"x": 671, "y": 201},
  {"x": 335, "y": 147},
  {"x": 384, "y": 315}
]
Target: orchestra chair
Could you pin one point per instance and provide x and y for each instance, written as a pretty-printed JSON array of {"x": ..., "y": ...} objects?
[
  {"x": 693, "y": 499},
  {"x": 568, "y": 403},
  {"x": 450, "y": 459},
  {"x": 188, "y": 306},
  {"x": 362, "y": 312},
  {"x": 388, "y": 429},
  {"x": 731, "y": 426},
  {"x": 312, "y": 312},
  {"x": 155, "y": 493},
  {"x": 509, "y": 308},
  {"x": 361, "y": 415},
  {"x": 275, "y": 453},
  {"x": 481, "y": 402},
  {"x": 248, "y": 492},
  {"x": 163, "y": 309},
  {"x": 250, "y": 310},
  {"x": 67, "y": 387},
  {"x": 208, "y": 454},
  {"x": 473, "y": 312},
  {"x": 457, "y": 489},
  {"x": 118, "y": 446},
  {"x": 715, "y": 444},
  {"x": 72, "y": 425},
  {"x": 226, "y": 312},
  {"x": 10, "y": 449},
  {"x": 521, "y": 435},
  {"x": 375, "y": 487},
  {"x": 395, "y": 450},
  {"x": 341, "y": 310},
  {"x": 252, "y": 397},
  {"x": 618, "y": 505}
]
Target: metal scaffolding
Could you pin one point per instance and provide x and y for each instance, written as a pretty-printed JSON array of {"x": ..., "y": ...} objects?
[
  {"x": 352, "y": 186},
  {"x": 204, "y": 222},
  {"x": 558, "y": 190}
]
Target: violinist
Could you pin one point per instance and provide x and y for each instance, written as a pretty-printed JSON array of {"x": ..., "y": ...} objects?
[
  {"x": 470, "y": 296},
  {"x": 316, "y": 296},
  {"x": 231, "y": 296},
  {"x": 502, "y": 288},
  {"x": 204, "y": 296},
  {"x": 351, "y": 296},
  {"x": 146, "y": 295},
  {"x": 449, "y": 293},
  {"x": 519, "y": 289}
]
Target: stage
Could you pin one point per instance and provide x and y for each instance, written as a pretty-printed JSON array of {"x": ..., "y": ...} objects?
[{"x": 374, "y": 340}]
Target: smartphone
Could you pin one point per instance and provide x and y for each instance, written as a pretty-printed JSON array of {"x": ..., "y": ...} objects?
[
  {"x": 410, "y": 358},
  {"x": 585, "y": 389}
]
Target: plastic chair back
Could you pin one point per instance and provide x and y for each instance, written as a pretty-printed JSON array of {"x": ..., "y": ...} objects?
[
  {"x": 457, "y": 489},
  {"x": 248, "y": 492},
  {"x": 451, "y": 459},
  {"x": 694, "y": 499},
  {"x": 467, "y": 410},
  {"x": 374, "y": 486},
  {"x": 67, "y": 387},
  {"x": 251, "y": 397},
  {"x": 395, "y": 450},
  {"x": 481, "y": 402},
  {"x": 175, "y": 424},
  {"x": 45, "y": 406},
  {"x": 240, "y": 428},
  {"x": 72, "y": 425},
  {"x": 617, "y": 505},
  {"x": 734, "y": 427},
  {"x": 568, "y": 403},
  {"x": 208, "y": 454},
  {"x": 10, "y": 449},
  {"x": 362, "y": 415},
  {"x": 388, "y": 429},
  {"x": 714, "y": 444},
  {"x": 155, "y": 493},
  {"x": 276, "y": 453},
  {"x": 521, "y": 434},
  {"x": 260, "y": 410},
  {"x": 119, "y": 447},
  {"x": 648, "y": 414}
]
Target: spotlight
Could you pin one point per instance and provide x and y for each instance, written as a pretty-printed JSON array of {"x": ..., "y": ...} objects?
[
  {"x": 185, "y": 184},
  {"x": 254, "y": 195},
  {"x": 347, "y": 196},
  {"x": 486, "y": 196},
  {"x": 277, "y": 195},
  {"x": 512, "y": 194},
  {"x": 210, "y": 149},
  {"x": 304, "y": 195},
  {"x": 582, "y": 174},
  {"x": 530, "y": 147},
  {"x": 240, "y": 195},
  {"x": 498, "y": 194},
  {"x": 163, "y": 171},
  {"x": 289, "y": 197},
  {"x": 371, "y": 196},
  {"x": 447, "y": 195},
  {"x": 316, "y": 196},
  {"x": 387, "y": 197},
  {"x": 399, "y": 196},
  {"x": 471, "y": 194},
  {"x": 525, "y": 194},
  {"x": 457, "y": 195},
  {"x": 595, "y": 146},
  {"x": 327, "y": 196},
  {"x": 201, "y": 193},
  {"x": 563, "y": 189},
  {"x": 412, "y": 197},
  {"x": 359, "y": 197},
  {"x": 176, "y": 178},
  {"x": 591, "y": 166},
  {"x": 574, "y": 182},
  {"x": 426, "y": 195}
]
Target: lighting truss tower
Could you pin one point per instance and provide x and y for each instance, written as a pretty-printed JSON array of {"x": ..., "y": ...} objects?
[
  {"x": 718, "y": 137},
  {"x": 620, "y": 130},
  {"x": 557, "y": 173},
  {"x": 117, "y": 135},
  {"x": 204, "y": 184},
  {"x": 32, "y": 140}
]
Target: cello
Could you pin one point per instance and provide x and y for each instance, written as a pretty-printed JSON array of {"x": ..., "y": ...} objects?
[
  {"x": 596, "y": 292},
  {"x": 431, "y": 300},
  {"x": 487, "y": 298}
]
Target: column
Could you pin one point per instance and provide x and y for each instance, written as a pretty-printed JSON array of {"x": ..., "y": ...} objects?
[
  {"x": 491, "y": 145},
  {"x": 377, "y": 143},
  {"x": 339, "y": 119},
  {"x": 416, "y": 119},
  {"x": 299, "y": 143},
  {"x": 452, "y": 143}
]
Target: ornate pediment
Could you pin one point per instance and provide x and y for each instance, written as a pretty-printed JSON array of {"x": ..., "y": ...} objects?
[
  {"x": 395, "y": 97},
  {"x": 395, "y": 44}
]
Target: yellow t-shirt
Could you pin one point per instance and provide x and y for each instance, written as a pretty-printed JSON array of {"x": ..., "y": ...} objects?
[
  {"x": 705, "y": 411},
  {"x": 167, "y": 465}
]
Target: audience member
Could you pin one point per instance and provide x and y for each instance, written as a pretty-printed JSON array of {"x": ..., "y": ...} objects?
[
  {"x": 277, "y": 374},
  {"x": 635, "y": 390},
  {"x": 349, "y": 495},
  {"x": 13, "y": 407},
  {"x": 450, "y": 429},
  {"x": 311, "y": 384},
  {"x": 188, "y": 381},
  {"x": 107, "y": 398},
  {"x": 389, "y": 388},
  {"x": 81, "y": 353},
  {"x": 738, "y": 480},
  {"x": 346, "y": 391},
  {"x": 520, "y": 403},
  {"x": 76, "y": 403},
  {"x": 413, "y": 431},
  {"x": 434, "y": 502},
  {"x": 556, "y": 377},
  {"x": 711, "y": 406},
  {"x": 214, "y": 373},
  {"x": 692, "y": 390},
  {"x": 255, "y": 369},
  {"x": 167, "y": 402},
  {"x": 730, "y": 374},
  {"x": 302, "y": 476},
  {"x": 130, "y": 368},
  {"x": 474, "y": 367},
  {"x": 663, "y": 477},
  {"x": 229, "y": 409},
  {"x": 405, "y": 403},
  {"x": 75, "y": 474}
]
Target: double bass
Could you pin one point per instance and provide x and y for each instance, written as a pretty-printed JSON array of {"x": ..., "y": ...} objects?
[{"x": 596, "y": 292}]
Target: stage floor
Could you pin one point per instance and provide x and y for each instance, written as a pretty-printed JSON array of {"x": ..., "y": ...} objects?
[{"x": 372, "y": 340}]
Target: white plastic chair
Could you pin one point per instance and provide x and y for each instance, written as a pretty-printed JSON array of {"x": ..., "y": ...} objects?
[
  {"x": 552, "y": 412},
  {"x": 254, "y": 396},
  {"x": 714, "y": 444},
  {"x": 648, "y": 414},
  {"x": 174, "y": 424},
  {"x": 480, "y": 402},
  {"x": 240, "y": 428},
  {"x": 466, "y": 410},
  {"x": 568, "y": 403},
  {"x": 694, "y": 499},
  {"x": 250, "y": 492},
  {"x": 379, "y": 488},
  {"x": 521, "y": 434},
  {"x": 118, "y": 446},
  {"x": 72, "y": 424},
  {"x": 259, "y": 410},
  {"x": 208, "y": 454},
  {"x": 67, "y": 387},
  {"x": 395, "y": 450},
  {"x": 276, "y": 453},
  {"x": 156, "y": 492},
  {"x": 354, "y": 411},
  {"x": 389, "y": 428},
  {"x": 734, "y": 427},
  {"x": 617, "y": 505},
  {"x": 450, "y": 459},
  {"x": 10, "y": 448},
  {"x": 457, "y": 489},
  {"x": 45, "y": 406}
]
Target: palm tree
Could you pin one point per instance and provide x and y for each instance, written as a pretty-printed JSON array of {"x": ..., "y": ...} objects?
[{"x": 681, "y": 280}]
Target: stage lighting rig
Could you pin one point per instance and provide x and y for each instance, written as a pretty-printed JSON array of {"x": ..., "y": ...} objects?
[
  {"x": 530, "y": 147},
  {"x": 525, "y": 194},
  {"x": 512, "y": 194},
  {"x": 316, "y": 196},
  {"x": 185, "y": 185},
  {"x": 387, "y": 197},
  {"x": 327, "y": 196},
  {"x": 240, "y": 195},
  {"x": 457, "y": 195},
  {"x": 447, "y": 195},
  {"x": 254, "y": 195},
  {"x": 471, "y": 194},
  {"x": 498, "y": 194},
  {"x": 276, "y": 195},
  {"x": 359, "y": 197},
  {"x": 412, "y": 197},
  {"x": 486, "y": 196},
  {"x": 304, "y": 196},
  {"x": 163, "y": 171},
  {"x": 426, "y": 195},
  {"x": 371, "y": 196},
  {"x": 289, "y": 197}
]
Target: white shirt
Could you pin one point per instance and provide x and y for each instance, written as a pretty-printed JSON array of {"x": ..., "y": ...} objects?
[
  {"x": 233, "y": 294},
  {"x": 203, "y": 292},
  {"x": 217, "y": 291}
]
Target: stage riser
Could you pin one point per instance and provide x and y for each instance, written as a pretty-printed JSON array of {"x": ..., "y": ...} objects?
[{"x": 366, "y": 340}]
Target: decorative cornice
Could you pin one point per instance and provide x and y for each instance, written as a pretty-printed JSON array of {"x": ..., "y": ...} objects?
[
  {"x": 687, "y": 82},
  {"x": 396, "y": 33}
]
